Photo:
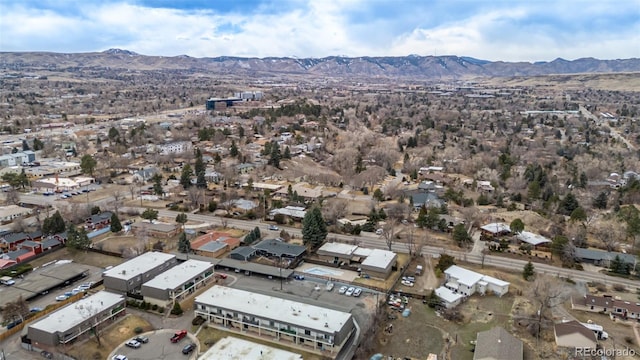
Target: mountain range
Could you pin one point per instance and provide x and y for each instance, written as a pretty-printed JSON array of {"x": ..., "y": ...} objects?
[{"x": 411, "y": 66}]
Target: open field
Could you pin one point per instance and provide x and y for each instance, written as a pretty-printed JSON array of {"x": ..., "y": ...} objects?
[{"x": 110, "y": 339}]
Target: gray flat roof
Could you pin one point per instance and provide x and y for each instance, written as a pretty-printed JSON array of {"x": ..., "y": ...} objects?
[
  {"x": 42, "y": 279},
  {"x": 138, "y": 265},
  {"x": 292, "y": 312},
  {"x": 255, "y": 268},
  {"x": 179, "y": 274},
  {"x": 231, "y": 348},
  {"x": 76, "y": 313}
]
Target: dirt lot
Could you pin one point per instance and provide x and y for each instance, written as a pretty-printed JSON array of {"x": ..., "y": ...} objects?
[
  {"x": 82, "y": 257},
  {"x": 209, "y": 336},
  {"x": 112, "y": 337}
]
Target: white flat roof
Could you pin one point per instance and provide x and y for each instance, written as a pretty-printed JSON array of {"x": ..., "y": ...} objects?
[
  {"x": 447, "y": 295},
  {"x": 13, "y": 210},
  {"x": 364, "y": 252},
  {"x": 339, "y": 248},
  {"x": 379, "y": 258},
  {"x": 76, "y": 313},
  {"x": 494, "y": 281},
  {"x": 463, "y": 276},
  {"x": 138, "y": 265},
  {"x": 231, "y": 348},
  {"x": 179, "y": 274},
  {"x": 304, "y": 315}
]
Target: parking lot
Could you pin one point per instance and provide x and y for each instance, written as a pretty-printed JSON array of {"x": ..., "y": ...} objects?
[{"x": 158, "y": 347}]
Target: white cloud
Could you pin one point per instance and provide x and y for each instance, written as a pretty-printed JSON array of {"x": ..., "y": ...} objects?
[{"x": 500, "y": 31}]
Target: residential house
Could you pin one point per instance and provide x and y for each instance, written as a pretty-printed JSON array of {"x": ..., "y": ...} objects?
[
  {"x": 497, "y": 344},
  {"x": 243, "y": 253},
  {"x": 245, "y": 168},
  {"x": 178, "y": 147},
  {"x": 467, "y": 282},
  {"x": 426, "y": 199},
  {"x": 532, "y": 239},
  {"x": 602, "y": 257},
  {"x": 98, "y": 221},
  {"x": 449, "y": 298},
  {"x": 607, "y": 304},
  {"x": 573, "y": 334},
  {"x": 284, "y": 320},
  {"x": 214, "y": 244},
  {"x": 373, "y": 262},
  {"x": 276, "y": 248},
  {"x": 155, "y": 230},
  {"x": 293, "y": 212},
  {"x": 495, "y": 229},
  {"x": 483, "y": 186},
  {"x": 144, "y": 175},
  {"x": 10, "y": 241}
]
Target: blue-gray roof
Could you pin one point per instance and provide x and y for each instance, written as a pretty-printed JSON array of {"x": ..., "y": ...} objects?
[
  {"x": 13, "y": 255},
  {"x": 599, "y": 255},
  {"x": 279, "y": 248},
  {"x": 15, "y": 237},
  {"x": 243, "y": 251},
  {"x": 212, "y": 246},
  {"x": 100, "y": 217}
]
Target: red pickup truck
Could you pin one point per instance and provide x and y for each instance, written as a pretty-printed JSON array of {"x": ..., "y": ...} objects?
[{"x": 178, "y": 336}]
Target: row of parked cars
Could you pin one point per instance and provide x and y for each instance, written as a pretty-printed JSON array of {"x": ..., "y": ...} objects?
[
  {"x": 350, "y": 291},
  {"x": 81, "y": 288}
]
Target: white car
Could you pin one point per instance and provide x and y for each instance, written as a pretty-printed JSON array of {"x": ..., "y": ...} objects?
[
  {"x": 61, "y": 297},
  {"x": 407, "y": 283},
  {"x": 342, "y": 290},
  {"x": 357, "y": 292},
  {"x": 133, "y": 344},
  {"x": 119, "y": 357},
  {"x": 350, "y": 291}
]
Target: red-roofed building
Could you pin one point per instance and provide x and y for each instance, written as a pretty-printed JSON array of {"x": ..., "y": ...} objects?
[
  {"x": 6, "y": 263},
  {"x": 214, "y": 244},
  {"x": 26, "y": 256}
]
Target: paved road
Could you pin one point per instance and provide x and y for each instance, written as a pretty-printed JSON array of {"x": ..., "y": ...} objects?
[{"x": 375, "y": 241}]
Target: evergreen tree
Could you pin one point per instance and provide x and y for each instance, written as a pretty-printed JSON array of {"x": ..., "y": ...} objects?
[
  {"x": 184, "y": 245},
  {"x": 88, "y": 164},
  {"x": 185, "y": 177},
  {"x": 25, "y": 145},
  {"x": 116, "y": 226},
  {"x": 618, "y": 266},
  {"x": 516, "y": 226},
  {"x": 600, "y": 202},
  {"x": 287, "y": 153},
  {"x": 77, "y": 239},
  {"x": 568, "y": 204},
  {"x": 157, "y": 184},
  {"x": 200, "y": 170},
  {"x": 460, "y": 235},
  {"x": 233, "y": 151},
  {"x": 275, "y": 157},
  {"x": 150, "y": 214},
  {"x": 181, "y": 219},
  {"x": 53, "y": 224},
  {"x": 529, "y": 271},
  {"x": 314, "y": 228},
  {"x": 37, "y": 144}
]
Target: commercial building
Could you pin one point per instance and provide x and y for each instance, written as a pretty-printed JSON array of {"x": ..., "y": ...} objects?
[
  {"x": 129, "y": 276},
  {"x": 373, "y": 262},
  {"x": 19, "y": 158},
  {"x": 177, "y": 283},
  {"x": 231, "y": 348},
  {"x": 284, "y": 320},
  {"x": 10, "y": 212},
  {"x": 76, "y": 319}
]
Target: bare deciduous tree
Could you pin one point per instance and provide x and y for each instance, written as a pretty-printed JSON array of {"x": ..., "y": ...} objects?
[
  {"x": 334, "y": 209},
  {"x": 546, "y": 293},
  {"x": 390, "y": 231},
  {"x": 117, "y": 199},
  {"x": 12, "y": 197}
]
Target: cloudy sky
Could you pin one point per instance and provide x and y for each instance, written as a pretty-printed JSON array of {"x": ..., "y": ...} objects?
[{"x": 510, "y": 30}]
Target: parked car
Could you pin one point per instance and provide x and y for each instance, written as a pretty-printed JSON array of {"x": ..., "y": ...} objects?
[
  {"x": 13, "y": 324},
  {"x": 35, "y": 309},
  {"x": 141, "y": 339},
  {"x": 221, "y": 276},
  {"x": 350, "y": 291},
  {"x": 189, "y": 348},
  {"x": 61, "y": 297},
  {"x": 273, "y": 227},
  {"x": 119, "y": 357},
  {"x": 45, "y": 354},
  {"x": 357, "y": 292},
  {"x": 179, "y": 335},
  {"x": 133, "y": 344},
  {"x": 407, "y": 283},
  {"x": 342, "y": 290},
  {"x": 329, "y": 286},
  {"x": 298, "y": 277}
]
